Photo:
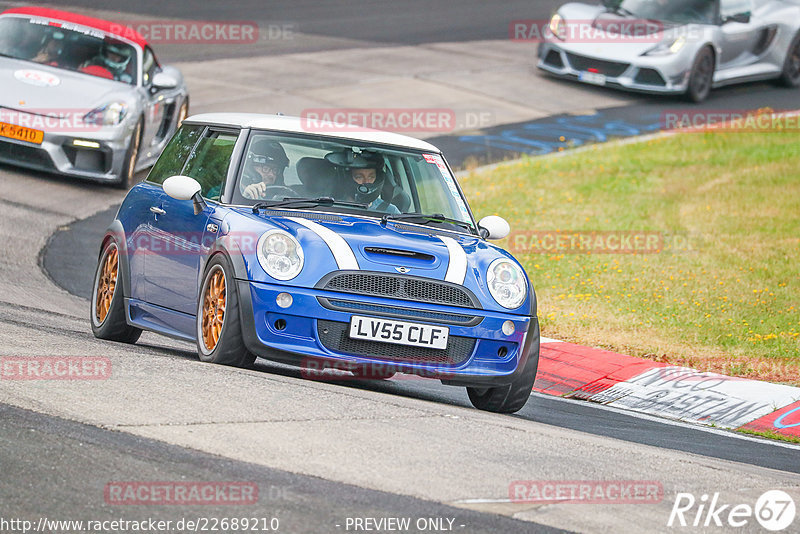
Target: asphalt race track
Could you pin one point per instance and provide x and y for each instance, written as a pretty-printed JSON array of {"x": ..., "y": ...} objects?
[{"x": 324, "y": 451}]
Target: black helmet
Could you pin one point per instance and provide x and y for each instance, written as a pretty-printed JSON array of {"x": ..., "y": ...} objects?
[
  {"x": 350, "y": 160},
  {"x": 268, "y": 152}
]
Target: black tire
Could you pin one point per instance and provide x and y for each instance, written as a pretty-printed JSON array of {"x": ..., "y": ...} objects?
[
  {"x": 229, "y": 348},
  {"x": 113, "y": 325},
  {"x": 125, "y": 179},
  {"x": 509, "y": 398},
  {"x": 701, "y": 79},
  {"x": 790, "y": 77}
]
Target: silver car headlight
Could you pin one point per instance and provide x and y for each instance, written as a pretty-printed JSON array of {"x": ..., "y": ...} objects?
[
  {"x": 280, "y": 255},
  {"x": 108, "y": 115},
  {"x": 667, "y": 48},
  {"x": 507, "y": 283}
]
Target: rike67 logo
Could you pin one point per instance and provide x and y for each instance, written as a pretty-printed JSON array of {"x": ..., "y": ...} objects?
[{"x": 774, "y": 510}]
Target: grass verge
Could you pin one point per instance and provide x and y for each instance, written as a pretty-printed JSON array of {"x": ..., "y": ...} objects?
[{"x": 716, "y": 289}]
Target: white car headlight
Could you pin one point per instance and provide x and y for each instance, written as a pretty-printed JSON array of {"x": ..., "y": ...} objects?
[
  {"x": 667, "y": 48},
  {"x": 108, "y": 115},
  {"x": 280, "y": 255},
  {"x": 558, "y": 26},
  {"x": 507, "y": 283}
]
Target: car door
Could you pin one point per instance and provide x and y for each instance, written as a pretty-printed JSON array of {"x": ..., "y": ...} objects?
[
  {"x": 740, "y": 39},
  {"x": 181, "y": 239},
  {"x": 155, "y": 102},
  {"x": 143, "y": 202}
]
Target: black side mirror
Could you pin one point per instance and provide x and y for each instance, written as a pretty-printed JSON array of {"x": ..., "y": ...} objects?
[{"x": 741, "y": 18}]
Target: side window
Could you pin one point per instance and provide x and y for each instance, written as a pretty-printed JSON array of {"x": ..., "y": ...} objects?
[
  {"x": 209, "y": 162},
  {"x": 149, "y": 66},
  {"x": 174, "y": 156},
  {"x": 735, "y": 7}
]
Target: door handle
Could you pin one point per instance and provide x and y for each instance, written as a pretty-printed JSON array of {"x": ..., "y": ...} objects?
[{"x": 157, "y": 211}]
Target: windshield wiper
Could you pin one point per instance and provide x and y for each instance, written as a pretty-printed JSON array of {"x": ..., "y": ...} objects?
[
  {"x": 302, "y": 202},
  {"x": 423, "y": 218}
]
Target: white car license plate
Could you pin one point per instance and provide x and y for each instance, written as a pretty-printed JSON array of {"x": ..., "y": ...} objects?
[
  {"x": 398, "y": 332},
  {"x": 592, "y": 77}
]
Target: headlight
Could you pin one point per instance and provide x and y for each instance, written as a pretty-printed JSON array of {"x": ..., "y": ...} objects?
[
  {"x": 667, "y": 48},
  {"x": 280, "y": 255},
  {"x": 558, "y": 26},
  {"x": 507, "y": 283},
  {"x": 108, "y": 115}
]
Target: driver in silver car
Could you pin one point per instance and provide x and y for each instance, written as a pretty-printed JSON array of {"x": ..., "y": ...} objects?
[
  {"x": 266, "y": 161},
  {"x": 114, "y": 58}
]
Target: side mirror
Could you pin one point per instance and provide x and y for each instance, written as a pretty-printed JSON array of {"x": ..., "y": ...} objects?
[
  {"x": 185, "y": 188},
  {"x": 741, "y": 18},
  {"x": 493, "y": 227},
  {"x": 162, "y": 80}
]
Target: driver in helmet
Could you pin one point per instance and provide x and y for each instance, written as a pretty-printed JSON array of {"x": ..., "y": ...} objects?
[
  {"x": 266, "y": 161},
  {"x": 367, "y": 175},
  {"x": 364, "y": 180},
  {"x": 114, "y": 57}
]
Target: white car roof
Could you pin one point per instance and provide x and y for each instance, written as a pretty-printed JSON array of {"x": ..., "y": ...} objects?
[{"x": 282, "y": 123}]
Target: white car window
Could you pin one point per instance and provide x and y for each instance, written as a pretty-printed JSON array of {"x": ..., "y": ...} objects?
[{"x": 735, "y": 7}]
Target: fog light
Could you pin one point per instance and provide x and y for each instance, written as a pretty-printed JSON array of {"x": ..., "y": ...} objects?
[
  {"x": 508, "y": 328},
  {"x": 284, "y": 300},
  {"x": 86, "y": 144}
]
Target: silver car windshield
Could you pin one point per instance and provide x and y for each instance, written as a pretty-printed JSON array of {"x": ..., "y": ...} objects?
[
  {"x": 75, "y": 48},
  {"x": 674, "y": 11},
  {"x": 379, "y": 179}
]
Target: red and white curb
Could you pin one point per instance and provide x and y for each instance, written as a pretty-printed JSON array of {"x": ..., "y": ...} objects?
[{"x": 630, "y": 383}]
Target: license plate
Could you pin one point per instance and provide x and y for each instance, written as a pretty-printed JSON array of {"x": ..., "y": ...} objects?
[
  {"x": 592, "y": 77},
  {"x": 399, "y": 332},
  {"x": 21, "y": 133}
]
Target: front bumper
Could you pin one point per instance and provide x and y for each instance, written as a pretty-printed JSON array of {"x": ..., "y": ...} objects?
[
  {"x": 58, "y": 153},
  {"x": 315, "y": 329},
  {"x": 652, "y": 75}
]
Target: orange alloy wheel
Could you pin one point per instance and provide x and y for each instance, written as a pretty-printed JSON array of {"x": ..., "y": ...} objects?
[
  {"x": 214, "y": 309},
  {"x": 106, "y": 285}
]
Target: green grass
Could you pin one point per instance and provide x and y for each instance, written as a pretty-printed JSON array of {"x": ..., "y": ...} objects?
[
  {"x": 770, "y": 435},
  {"x": 725, "y": 298}
]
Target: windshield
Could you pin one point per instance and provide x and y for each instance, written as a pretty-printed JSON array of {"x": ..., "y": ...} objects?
[
  {"x": 68, "y": 46},
  {"x": 675, "y": 11},
  {"x": 382, "y": 180}
]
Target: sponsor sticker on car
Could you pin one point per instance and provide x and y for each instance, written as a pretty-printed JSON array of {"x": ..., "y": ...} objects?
[{"x": 399, "y": 332}]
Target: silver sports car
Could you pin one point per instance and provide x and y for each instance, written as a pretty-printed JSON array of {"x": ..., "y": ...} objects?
[
  {"x": 674, "y": 46},
  {"x": 83, "y": 97}
]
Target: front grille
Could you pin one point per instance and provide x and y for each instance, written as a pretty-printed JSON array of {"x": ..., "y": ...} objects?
[
  {"x": 400, "y": 287},
  {"x": 553, "y": 59},
  {"x": 400, "y": 227},
  {"x": 302, "y": 215},
  {"x": 609, "y": 68},
  {"x": 401, "y": 313},
  {"x": 335, "y": 337},
  {"x": 26, "y": 154},
  {"x": 650, "y": 77}
]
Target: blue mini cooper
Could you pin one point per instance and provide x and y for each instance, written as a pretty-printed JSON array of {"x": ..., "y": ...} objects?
[{"x": 318, "y": 244}]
